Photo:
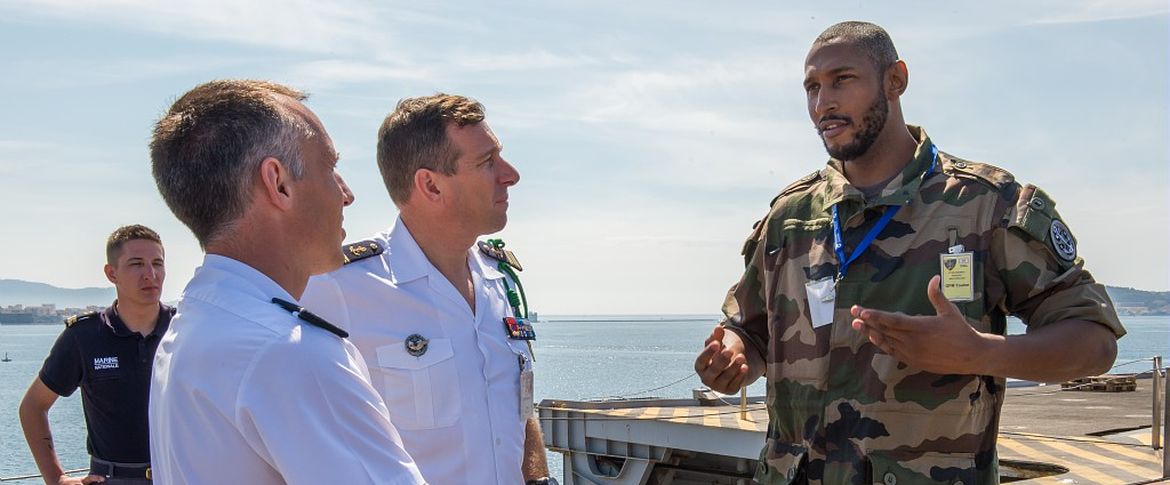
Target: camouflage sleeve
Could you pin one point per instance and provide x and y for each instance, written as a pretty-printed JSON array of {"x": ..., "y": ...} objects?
[
  {"x": 744, "y": 309},
  {"x": 1044, "y": 280}
]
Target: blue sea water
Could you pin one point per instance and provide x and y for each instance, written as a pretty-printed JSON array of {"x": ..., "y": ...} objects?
[{"x": 577, "y": 357}]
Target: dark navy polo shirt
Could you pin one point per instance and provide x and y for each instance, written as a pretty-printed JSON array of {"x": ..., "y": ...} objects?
[{"x": 112, "y": 366}]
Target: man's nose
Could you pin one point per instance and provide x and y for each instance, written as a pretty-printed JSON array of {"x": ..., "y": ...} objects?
[
  {"x": 508, "y": 174},
  {"x": 823, "y": 102},
  {"x": 346, "y": 194}
]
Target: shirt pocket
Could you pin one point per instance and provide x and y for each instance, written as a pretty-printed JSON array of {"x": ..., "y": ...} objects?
[
  {"x": 421, "y": 392},
  {"x": 921, "y": 468}
]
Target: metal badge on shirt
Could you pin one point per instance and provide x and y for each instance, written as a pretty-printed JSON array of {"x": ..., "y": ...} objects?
[
  {"x": 526, "y": 394},
  {"x": 822, "y": 300},
  {"x": 958, "y": 274}
]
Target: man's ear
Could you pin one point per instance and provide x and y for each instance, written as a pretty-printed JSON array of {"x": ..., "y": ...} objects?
[
  {"x": 427, "y": 184},
  {"x": 897, "y": 79},
  {"x": 275, "y": 181},
  {"x": 109, "y": 270}
]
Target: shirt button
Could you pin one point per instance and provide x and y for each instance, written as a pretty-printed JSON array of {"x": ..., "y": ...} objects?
[
  {"x": 890, "y": 479},
  {"x": 960, "y": 164},
  {"x": 497, "y": 442}
]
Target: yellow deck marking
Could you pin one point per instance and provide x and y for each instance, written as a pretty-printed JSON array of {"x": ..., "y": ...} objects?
[
  {"x": 650, "y": 413},
  {"x": 679, "y": 414},
  {"x": 622, "y": 412},
  {"x": 1097, "y": 458},
  {"x": 710, "y": 419},
  {"x": 1089, "y": 474}
]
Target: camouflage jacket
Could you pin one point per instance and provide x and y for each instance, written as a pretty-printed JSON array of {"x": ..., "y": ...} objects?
[{"x": 843, "y": 412}]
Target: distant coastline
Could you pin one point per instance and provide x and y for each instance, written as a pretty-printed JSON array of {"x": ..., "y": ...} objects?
[{"x": 32, "y": 303}]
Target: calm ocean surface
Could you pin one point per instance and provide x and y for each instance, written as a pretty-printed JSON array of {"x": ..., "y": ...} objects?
[{"x": 577, "y": 357}]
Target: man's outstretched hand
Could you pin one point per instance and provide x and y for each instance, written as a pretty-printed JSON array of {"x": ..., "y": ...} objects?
[
  {"x": 943, "y": 343},
  {"x": 722, "y": 365}
]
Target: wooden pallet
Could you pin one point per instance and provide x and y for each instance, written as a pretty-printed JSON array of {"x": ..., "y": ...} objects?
[{"x": 1102, "y": 383}]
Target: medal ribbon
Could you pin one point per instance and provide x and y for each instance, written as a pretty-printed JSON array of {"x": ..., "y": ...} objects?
[{"x": 843, "y": 262}]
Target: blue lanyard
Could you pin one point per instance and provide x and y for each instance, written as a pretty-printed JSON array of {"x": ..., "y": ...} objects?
[{"x": 838, "y": 242}]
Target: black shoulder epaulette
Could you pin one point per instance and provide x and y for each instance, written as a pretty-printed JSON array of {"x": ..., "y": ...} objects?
[
  {"x": 801, "y": 183},
  {"x": 71, "y": 321},
  {"x": 983, "y": 172},
  {"x": 500, "y": 254},
  {"x": 361, "y": 250}
]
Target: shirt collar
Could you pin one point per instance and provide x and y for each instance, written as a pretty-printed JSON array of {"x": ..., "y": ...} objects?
[
  {"x": 217, "y": 270},
  {"x": 488, "y": 267},
  {"x": 408, "y": 262},
  {"x": 114, "y": 321},
  {"x": 899, "y": 191},
  {"x": 111, "y": 318}
]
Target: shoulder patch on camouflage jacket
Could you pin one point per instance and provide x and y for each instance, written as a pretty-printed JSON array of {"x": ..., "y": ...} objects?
[
  {"x": 73, "y": 320},
  {"x": 983, "y": 172},
  {"x": 1036, "y": 215}
]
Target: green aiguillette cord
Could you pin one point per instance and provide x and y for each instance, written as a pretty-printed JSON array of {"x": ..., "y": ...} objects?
[{"x": 513, "y": 300}]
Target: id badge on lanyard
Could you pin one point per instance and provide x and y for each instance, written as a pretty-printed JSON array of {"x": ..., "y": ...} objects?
[{"x": 526, "y": 395}]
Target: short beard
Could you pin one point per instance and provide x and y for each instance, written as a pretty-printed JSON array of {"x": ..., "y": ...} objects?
[{"x": 872, "y": 124}]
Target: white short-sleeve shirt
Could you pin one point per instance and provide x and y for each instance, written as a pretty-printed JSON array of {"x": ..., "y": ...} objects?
[
  {"x": 245, "y": 392},
  {"x": 457, "y": 405}
]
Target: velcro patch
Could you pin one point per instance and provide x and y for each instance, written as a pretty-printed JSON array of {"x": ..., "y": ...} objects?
[{"x": 1036, "y": 215}]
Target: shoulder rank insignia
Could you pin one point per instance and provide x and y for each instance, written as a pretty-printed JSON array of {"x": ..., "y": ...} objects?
[
  {"x": 361, "y": 250},
  {"x": 494, "y": 248},
  {"x": 984, "y": 172},
  {"x": 801, "y": 183},
  {"x": 72, "y": 320}
]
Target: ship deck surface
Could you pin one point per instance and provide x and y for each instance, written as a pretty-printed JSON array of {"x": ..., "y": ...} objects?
[{"x": 1100, "y": 437}]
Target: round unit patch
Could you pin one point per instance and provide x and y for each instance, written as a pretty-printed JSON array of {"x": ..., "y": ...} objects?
[{"x": 1062, "y": 241}]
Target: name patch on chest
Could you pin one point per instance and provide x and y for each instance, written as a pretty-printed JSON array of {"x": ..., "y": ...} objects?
[{"x": 100, "y": 363}]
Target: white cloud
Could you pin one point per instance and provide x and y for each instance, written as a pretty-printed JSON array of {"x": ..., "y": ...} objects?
[
  {"x": 298, "y": 25},
  {"x": 1101, "y": 10}
]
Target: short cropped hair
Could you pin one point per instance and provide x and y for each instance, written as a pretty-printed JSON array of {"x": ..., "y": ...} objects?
[
  {"x": 873, "y": 40},
  {"x": 414, "y": 136},
  {"x": 206, "y": 149},
  {"x": 127, "y": 233}
]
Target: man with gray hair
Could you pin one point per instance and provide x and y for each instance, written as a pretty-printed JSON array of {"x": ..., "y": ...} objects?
[{"x": 249, "y": 387}]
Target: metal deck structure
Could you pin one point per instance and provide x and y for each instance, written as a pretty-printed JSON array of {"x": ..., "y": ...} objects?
[{"x": 1047, "y": 436}]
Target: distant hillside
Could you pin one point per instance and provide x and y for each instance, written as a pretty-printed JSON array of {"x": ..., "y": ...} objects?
[
  {"x": 1129, "y": 301},
  {"x": 1138, "y": 302},
  {"x": 18, "y": 292}
]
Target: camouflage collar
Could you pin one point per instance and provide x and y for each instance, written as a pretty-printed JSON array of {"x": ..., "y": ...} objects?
[{"x": 898, "y": 191}]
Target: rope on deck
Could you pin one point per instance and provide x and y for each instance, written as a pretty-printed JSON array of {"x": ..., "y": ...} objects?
[{"x": 38, "y": 475}]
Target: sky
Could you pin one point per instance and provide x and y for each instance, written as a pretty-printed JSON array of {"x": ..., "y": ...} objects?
[{"x": 649, "y": 135}]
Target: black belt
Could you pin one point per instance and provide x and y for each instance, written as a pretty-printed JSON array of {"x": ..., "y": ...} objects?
[{"x": 111, "y": 469}]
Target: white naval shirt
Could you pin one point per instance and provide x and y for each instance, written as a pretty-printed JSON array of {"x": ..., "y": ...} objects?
[
  {"x": 458, "y": 404},
  {"x": 244, "y": 392}
]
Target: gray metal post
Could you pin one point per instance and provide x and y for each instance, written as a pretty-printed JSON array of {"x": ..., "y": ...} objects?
[
  {"x": 1155, "y": 428},
  {"x": 1165, "y": 426}
]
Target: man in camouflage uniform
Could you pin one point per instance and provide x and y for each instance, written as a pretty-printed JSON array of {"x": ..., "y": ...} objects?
[{"x": 878, "y": 373}]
